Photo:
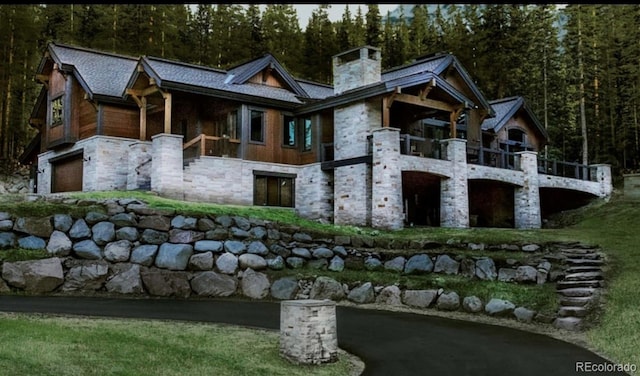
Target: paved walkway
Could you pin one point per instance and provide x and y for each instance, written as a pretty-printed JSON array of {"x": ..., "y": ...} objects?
[{"x": 389, "y": 343}]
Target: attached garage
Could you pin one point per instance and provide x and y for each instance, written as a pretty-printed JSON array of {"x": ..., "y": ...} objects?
[{"x": 66, "y": 172}]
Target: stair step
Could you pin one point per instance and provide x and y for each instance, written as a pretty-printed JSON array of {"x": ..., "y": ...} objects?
[
  {"x": 561, "y": 285},
  {"x": 572, "y": 312},
  {"x": 594, "y": 256},
  {"x": 579, "y": 269},
  {"x": 584, "y": 276},
  {"x": 578, "y": 291},
  {"x": 577, "y": 301},
  {"x": 583, "y": 262}
]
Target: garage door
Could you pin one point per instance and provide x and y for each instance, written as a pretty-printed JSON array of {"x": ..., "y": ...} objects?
[{"x": 67, "y": 174}]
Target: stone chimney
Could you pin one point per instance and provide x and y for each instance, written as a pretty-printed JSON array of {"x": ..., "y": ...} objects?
[{"x": 356, "y": 68}]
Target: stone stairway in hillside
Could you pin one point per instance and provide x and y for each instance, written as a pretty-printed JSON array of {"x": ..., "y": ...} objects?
[{"x": 580, "y": 288}]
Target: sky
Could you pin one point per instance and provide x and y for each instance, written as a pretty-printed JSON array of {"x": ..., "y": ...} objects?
[{"x": 336, "y": 10}]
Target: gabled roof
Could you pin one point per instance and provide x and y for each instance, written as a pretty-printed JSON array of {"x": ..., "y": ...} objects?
[
  {"x": 505, "y": 109},
  {"x": 100, "y": 74},
  {"x": 241, "y": 73},
  {"x": 437, "y": 64}
]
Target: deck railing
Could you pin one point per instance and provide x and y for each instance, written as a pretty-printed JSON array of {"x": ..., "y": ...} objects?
[
  {"x": 421, "y": 147},
  {"x": 492, "y": 157},
  {"x": 203, "y": 145},
  {"x": 565, "y": 169}
]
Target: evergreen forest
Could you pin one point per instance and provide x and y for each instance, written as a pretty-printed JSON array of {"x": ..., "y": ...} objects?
[{"x": 580, "y": 76}]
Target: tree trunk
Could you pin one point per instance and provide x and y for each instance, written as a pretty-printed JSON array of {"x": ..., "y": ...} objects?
[
  {"x": 583, "y": 118},
  {"x": 7, "y": 106}
]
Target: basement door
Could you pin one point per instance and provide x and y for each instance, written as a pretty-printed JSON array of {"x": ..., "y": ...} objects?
[{"x": 66, "y": 174}]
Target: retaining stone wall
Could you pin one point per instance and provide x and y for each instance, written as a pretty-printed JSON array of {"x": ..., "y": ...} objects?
[{"x": 132, "y": 249}]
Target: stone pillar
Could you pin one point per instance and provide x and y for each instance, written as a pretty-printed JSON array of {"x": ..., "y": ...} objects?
[
  {"x": 603, "y": 176},
  {"x": 454, "y": 191},
  {"x": 308, "y": 331},
  {"x": 386, "y": 185},
  {"x": 139, "y": 166},
  {"x": 167, "y": 165},
  {"x": 352, "y": 183},
  {"x": 527, "y": 198}
]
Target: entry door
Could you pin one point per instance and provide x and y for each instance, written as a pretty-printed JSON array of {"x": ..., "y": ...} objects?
[{"x": 67, "y": 174}]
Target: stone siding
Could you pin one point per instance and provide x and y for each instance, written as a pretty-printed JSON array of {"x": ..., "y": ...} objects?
[
  {"x": 308, "y": 331},
  {"x": 356, "y": 73},
  {"x": 454, "y": 194},
  {"x": 386, "y": 188},
  {"x": 527, "y": 197},
  {"x": 139, "y": 167},
  {"x": 167, "y": 165}
]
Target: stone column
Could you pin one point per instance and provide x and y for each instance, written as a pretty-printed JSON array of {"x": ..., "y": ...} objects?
[
  {"x": 167, "y": 165},
  {"x": 386, "y": 186},
  {"x": 308, "y": 331},
  {"x": 139, "y": 166},
  {"x": 527, "y": 198},
  {"x": 454, "y": 191},
  {"x": 603, "y": 176}
]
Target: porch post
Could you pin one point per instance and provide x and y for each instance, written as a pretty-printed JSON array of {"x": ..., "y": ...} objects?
[
  {"x": 167, "y": 166},
  {"x": 454, "y": 191},
  {"x": 386, "y": 188},
  {"x": 527, "y": 198},
  {"x": 143, "y": 118},
  {"x": 167, "y": 112}
]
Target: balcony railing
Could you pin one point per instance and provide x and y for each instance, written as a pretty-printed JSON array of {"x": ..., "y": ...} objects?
[
  {"x": 203, "y": 145},
  {"x": 492, "y": 157},
  {"x": 421, "y": 147},
  {"x": 565, "y": 169}
]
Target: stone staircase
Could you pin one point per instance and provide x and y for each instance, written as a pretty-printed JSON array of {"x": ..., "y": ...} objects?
[{"x": 580, "y": 287}]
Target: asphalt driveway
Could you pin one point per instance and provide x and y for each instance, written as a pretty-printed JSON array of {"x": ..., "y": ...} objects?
[{"x": 390, "y": 343}]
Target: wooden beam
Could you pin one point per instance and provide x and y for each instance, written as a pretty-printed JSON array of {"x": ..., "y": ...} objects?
[
  {"x": 143, "y": 118},
  {"x": 385, "y": 112},
  {"x": 427, "y": 89},
  {"x": 430, "y": 103},
  {"x": 143, "y": 92},
  {"x": 167, "y": 112},
  {"x": 455, "y": 114}
]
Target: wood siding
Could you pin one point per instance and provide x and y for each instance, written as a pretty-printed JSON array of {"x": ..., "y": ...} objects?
[
  {"x": 120, "y": 121},
  {"x": 271, "y": 80},
  {"x": 57, "y": 84}
]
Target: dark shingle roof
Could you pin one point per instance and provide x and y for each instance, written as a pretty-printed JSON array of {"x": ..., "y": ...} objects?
[
  {"x": 100, "y": 73},
  {"x": 505, "y": 109},
  {"x": 434, "y": 64}
]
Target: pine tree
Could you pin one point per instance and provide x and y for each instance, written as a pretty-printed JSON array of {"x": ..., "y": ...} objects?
[
  {"x": 345, "y": 29},
  {"x": 374, "y": 26},
  {"x": 320, "y": 46},
  {"x": 282, "y": 35}
]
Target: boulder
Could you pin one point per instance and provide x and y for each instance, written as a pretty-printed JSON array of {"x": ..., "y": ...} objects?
[
  {"x": 449, "y": 301},
  {"x": 252, "y": 261},
  {"x": 526, "y": 274},
  {"x": 87, "y": 249},
  {"x": 184, "y": 223},
  {"x": 40, "y": 227},
  {"x": 242, "y": 223},
  {"x": 276, "y": 263},
  {"x": 179, "y": 236},
  {"x": 224, "y": 221},
  {"x": 336, "y": 264},
  {"x": 472, "y": 304},
  {"x": 506, "y": 275},
  {"x": 396, "y": 264},
  {"x": 322, "y": 252},
  {"x": 235, "y": 247},
  {"x": 340, "y": 251},
  {"x": 161, "y": 282},
  {"x": 530, "y": 248},
  {"x": 418, "y": 264},
  {"x": 80, "y": 230},
  {"x": 390, "y": 295},
  {"x": 59, "y": 244},
  {"x": 127, "y": 233},
  {"x": 7, "y": 240},
  {"x": 208, "y": 246},
  {"x": 156, "y": 237},
  {"x": 6, "y": 225},
  {"x": 499, "y": 307},
  {"x": 259, "y": 233},
  {"x": 201, "y": 261},
  {"x": 217, "y": 234},
  {"x": 295, "y": 262},
  {"x": 419, "y": 298},
  {"x": 302, "y": 237},
  {"x": 88, "y": 276},
  {"x": 118, "y": 251},
  {"x": 362, "y": 294},
  {"x": 284, "y": 288},
  {"x": 524, "y": 315},
  {"x": 174, "y": 256},
  {"x": 213, "y": 284},
  {"x": 155, "y": 222},
  {"x": 205, "y": 224},
  {"x": 37, "y": 276},
  {"x": 125, "y": 279},
  {"x": 62, "y": 222},
  {"x": 568, "y": 323},
  {"x": 239, "y": 233},
  {"x": 468, "y": 268},
  {"x": 103, "y": 233},
  {"x": 227, "y": 263},
  {"x": 447, "y": 265},
  {"x": 144, "y": 254},
  {"x": 486, "y": 269},
  {"x": 301, "y": 252},
  {"x": 318, "y": 264},
  {"x": 280, "y": 250},
  {"x": 124, "y": 220},
  {"x": 326, "y": 288},
  {"x": 258, "y": 248},
  {"x": 32, "y": 242},
  {"x": 255, "y": 285},
  {"x": 3, "y": 287},
  {"x": 94, "y": 217}
]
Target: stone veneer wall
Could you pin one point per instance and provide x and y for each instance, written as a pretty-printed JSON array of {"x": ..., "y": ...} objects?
[
  {"x": 167, "y": 176},
  {"x": 105, "y": 166},
  {"x": 527, "y": 197},
  {"x": 454, "y": 194},
  {"x": 231, "y": 181},
  {"x": 386, "y": 188},
  {"x": 139, "y": 166}
]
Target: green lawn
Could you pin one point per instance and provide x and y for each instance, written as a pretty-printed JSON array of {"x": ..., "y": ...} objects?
[{"x": 41, "y": 345}]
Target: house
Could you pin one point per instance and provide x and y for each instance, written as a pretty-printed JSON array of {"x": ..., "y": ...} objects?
[{"x": 417, "y": 144}]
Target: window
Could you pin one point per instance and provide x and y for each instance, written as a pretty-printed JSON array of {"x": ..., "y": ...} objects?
[
  {"x": 307, "y": 133},
  {"x": 289, "y": 131},
  {"x": 257, "y": 126},
  {"x": 274, "y": 189},
  {"x": 57, "y": 111}
]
